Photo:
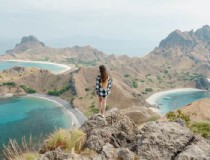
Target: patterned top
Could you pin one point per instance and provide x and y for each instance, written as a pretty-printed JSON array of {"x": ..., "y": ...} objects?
[{"x": 101, "y": 91}]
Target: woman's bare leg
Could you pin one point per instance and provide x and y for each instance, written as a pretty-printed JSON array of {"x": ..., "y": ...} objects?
[
  {"x": 103, "y": 106},
  {"x": 99, "y": 104}
]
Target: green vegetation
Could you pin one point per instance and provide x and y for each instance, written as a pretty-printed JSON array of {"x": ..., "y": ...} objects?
[
  {"x": 171, "y": 116},
  {"x": 93, "y": 108},
  {"x": 12, "y": 84},
  {"x": 165, "y": 71},
  {"x": 191, "y": 76},
  {"x": 67, "y": 140},
  {"x": 58, "y": 92},
  {"x": 126, "y": 75},
  {"x": 81, "y": 62},
  {"x": 148, "y": 90},
  {"x": 202, "y": 128},
  {"x": 27, "y": 90},
  {"x": 134, "y": 84}
]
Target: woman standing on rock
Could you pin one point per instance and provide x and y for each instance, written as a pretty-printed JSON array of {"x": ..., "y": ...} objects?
[{"x": 103, "y": 87}]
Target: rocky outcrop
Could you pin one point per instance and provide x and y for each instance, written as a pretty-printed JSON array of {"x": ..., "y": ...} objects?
[
  {"x": 116, "y": 129},
  {"x": 116, "y": 137},
  {"x": 178, "y": 38},
  {"x": 26, "y": 43},
  {"x": 203, "y": 83}
]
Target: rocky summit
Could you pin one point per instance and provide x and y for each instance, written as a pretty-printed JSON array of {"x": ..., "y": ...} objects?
[
  {"x": 28, "y": 42},
  {"x": 116, "y": 137}
]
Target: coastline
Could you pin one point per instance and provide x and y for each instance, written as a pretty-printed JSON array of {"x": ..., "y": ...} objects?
[
  {"x": 67, "y": 68},
  {"x": 77, "y": 117},
  {"x": 153, "y": 98}
]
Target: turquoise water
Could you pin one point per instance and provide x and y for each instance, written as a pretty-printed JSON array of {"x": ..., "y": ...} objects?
[
  {"x": 51, "y": 67},
  {"x": 173, "y": 101},
  {"x": 26, "y": 115}
]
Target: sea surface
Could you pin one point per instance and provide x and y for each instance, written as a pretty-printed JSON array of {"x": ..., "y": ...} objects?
[
  {"x": 174, "y": 101},
  {"x": 51, "y": 67},
  {"x": 25, "y": 116}
]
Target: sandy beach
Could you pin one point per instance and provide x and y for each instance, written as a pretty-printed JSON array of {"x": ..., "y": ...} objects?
[
  {"x": 66, "y": 67},
  {"x": 152, "y": 99},
  {"x": 77, "y": 117}
]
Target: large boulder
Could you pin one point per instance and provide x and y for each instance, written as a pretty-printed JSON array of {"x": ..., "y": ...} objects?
[
  {"x": 116, "y": 129},
  {"x": 169, "y": 140},
  {"x": 116, "y": 137}
]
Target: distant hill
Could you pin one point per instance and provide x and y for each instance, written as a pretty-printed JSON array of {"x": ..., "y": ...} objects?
[
  {"x": 179, "y": 60},
  {"x": 184, "y": 51},
  {"x": 26, "y": 43},
  {"x": 30, "y": 48}
]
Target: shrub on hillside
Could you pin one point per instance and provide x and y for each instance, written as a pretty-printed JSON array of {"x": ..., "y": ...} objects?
[
  {"x": 13, "y": 84},
  {"x": 27, "y": 89},
  {"x": 202, "y": 128},
  {"x": 134, "y": 84},
  {"x": 148, "y": 90},
  {"x": 58, "y": 92},
  {"x": 171, "y": 116}
]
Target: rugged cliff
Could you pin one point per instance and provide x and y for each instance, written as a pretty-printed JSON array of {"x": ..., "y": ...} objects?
[{"x": 117, "y": 137}]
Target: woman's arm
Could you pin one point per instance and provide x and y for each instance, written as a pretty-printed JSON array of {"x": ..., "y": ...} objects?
[
  {"x": 97, "y": 84},
  {"x": 109, "y": 85}
]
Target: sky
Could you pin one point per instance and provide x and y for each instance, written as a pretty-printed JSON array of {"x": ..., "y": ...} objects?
[{"x": 133, "y": 27}]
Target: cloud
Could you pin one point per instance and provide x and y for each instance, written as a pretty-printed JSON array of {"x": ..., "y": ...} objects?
[{"x": 115, "y": 19}]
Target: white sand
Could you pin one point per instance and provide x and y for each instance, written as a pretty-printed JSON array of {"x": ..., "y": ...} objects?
[
  {"x": 66, "y": 68},
  {"x": 152, "y": 100},
  {"x": 76, "y": 116}
]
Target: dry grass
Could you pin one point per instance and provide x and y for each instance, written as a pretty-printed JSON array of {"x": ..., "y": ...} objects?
[
  {"x": 28, "y": 156},
  {"x": 67, "y": 140},
  {"x": 25, "y": 151}
]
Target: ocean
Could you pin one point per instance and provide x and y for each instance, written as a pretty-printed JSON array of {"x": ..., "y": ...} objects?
[
  {"x": 25, "y": 116},
  {"x": 174, "y": 101},
  {"x": 51, "y": 67}
]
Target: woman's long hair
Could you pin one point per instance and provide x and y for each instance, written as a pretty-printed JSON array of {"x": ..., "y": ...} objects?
[{"x": 104, "y": 76}]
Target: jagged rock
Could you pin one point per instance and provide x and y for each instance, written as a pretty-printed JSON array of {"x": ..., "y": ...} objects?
[
  {"x": 203, "y": 33},
  {"x": 126, "y": 154},
  {"x": 168, "y": 140},
  {"x": 198, "y": 150},
  {"x": 180, "y": 121},
  {"x": 54, "y": 155},
  {"x": 203, "y": 83},
  {"x": 116, "y": 129},
  {"x": 117, "y": 137},
  {"x": 178, "y": 38},
  {"x": 61, "y": 155},
  {"x": 108, "y": 152}
]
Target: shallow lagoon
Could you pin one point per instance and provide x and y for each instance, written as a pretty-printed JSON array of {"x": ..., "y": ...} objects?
[
  {"x": 27, "y": 115},
  {"x": 174, "y": 101},
  {"x": 54, "y": 68}
]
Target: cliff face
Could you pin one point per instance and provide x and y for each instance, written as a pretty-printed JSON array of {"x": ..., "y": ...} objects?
[
  {"x": 203, "y": 83},
  {"x": 117, "y": 137}
]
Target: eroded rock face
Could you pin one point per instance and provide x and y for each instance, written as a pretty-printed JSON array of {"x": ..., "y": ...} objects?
[
  {"x": 116, "y": 129},
  {"x": 169, "y": 140},
  {"x": 117, "y": 137}
]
